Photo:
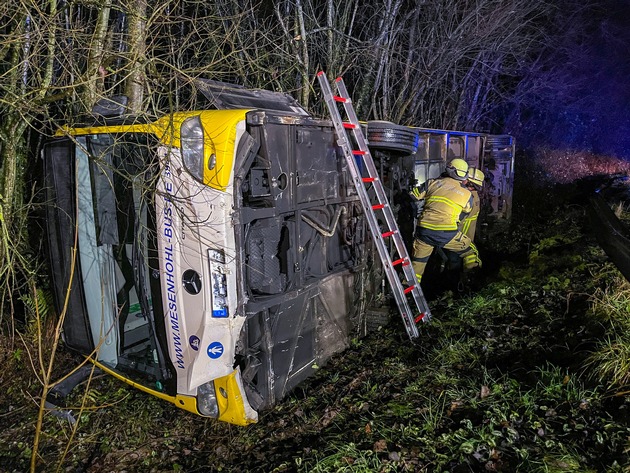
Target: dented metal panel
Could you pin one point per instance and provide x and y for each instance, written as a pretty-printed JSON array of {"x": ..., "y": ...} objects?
[{"x": 303, "y": 236}]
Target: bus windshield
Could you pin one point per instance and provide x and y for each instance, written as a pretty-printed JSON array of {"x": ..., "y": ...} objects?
[{"x": 118, "y": 255}]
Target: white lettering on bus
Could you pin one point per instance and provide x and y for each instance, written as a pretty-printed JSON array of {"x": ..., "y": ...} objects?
[{"x": 169, "y": 266}]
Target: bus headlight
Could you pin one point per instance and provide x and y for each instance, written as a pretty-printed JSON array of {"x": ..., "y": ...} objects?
[
  {"x": 192, "y": 141},
  {"x": 207, "y": 400}
]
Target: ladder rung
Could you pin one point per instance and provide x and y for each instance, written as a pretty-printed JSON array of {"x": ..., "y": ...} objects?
[
  {"x": 399, "y": 261},
  {"x": 369, "y": 179},
  {"x": 388, "y": 234},
  {"x": 348, "y": 125},
  {"x": 378, "y": 206},
  {"x": 359, "y": 152},
  {"x": 420, "y": 317},
  {"x": 409, "y": 289},
  {"x": 341, "y": 99}
]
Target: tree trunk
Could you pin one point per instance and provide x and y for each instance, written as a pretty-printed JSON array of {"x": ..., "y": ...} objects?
[
  {"x": 134, "y": 87},
  {"x": 94, "y": 70},
  {"x": 13, "y": 160}
]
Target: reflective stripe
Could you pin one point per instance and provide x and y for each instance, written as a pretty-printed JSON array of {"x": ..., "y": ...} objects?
[
  {"x": 466, "y": 226},
  {"x": 445, "y": 200},
  {"x": 430, "y": 226},
  {"x": 467, "y": 223},
  {"x": 457, "y": 210},
  {"x": 472, "y": 260}
]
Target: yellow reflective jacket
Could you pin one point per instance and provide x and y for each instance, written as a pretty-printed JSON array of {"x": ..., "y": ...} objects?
[
  {"x": 468, "y": 225},
  {"x": 444, "y": 201}
]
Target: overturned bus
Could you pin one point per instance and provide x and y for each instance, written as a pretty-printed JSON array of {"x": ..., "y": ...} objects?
[{"x": 216, "y": 258}]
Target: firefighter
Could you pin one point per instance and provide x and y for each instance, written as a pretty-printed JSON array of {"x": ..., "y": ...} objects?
[
  {"x": 468, "y": 224},
  {"x": 474, "y": 183},
  {"x": 443, "y": 202}
]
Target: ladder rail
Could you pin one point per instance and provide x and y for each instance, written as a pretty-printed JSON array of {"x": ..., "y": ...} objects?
[
  {"x": 382, "y": 205},
  {"x": 399, "y": 243}
]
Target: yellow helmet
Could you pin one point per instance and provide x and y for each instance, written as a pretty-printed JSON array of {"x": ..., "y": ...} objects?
[
  {"x": 457, "y": 169},
  {"x": 476, "y": 176}
]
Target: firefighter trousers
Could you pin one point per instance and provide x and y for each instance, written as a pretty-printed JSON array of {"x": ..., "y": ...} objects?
[{"x": 426, "y": 240}]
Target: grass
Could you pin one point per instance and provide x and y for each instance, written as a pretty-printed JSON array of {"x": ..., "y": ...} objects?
[
  {"x": 609, "y": 362},
  {"x": 350, "y": 458}
]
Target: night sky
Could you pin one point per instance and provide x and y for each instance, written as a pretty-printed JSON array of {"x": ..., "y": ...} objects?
[{"x": 581, "y": 98}]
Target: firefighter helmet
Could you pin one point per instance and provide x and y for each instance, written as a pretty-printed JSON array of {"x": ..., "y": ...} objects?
[
  {"x": 476, "y": 176},
  {"x": 457, "y": 169}
]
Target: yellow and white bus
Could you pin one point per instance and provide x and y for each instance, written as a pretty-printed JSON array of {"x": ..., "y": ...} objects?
[{"x": 216, "y": 258}]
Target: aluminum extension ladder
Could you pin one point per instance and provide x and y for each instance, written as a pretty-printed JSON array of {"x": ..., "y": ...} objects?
[{"x": 368, "y": 184}]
